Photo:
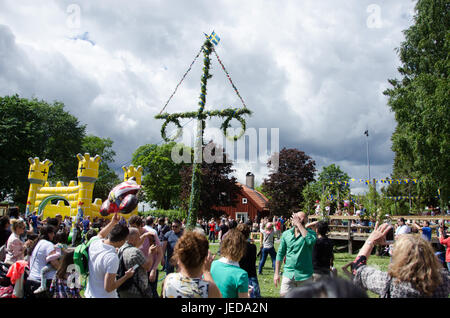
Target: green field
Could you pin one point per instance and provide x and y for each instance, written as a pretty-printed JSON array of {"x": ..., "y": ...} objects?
[{"x": 267, "y": 287}]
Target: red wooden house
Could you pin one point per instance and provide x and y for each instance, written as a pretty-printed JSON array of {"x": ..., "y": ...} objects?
[{"x": 251, "y": 204}]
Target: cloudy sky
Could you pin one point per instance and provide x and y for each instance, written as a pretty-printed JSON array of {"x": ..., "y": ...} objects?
[{"x": 314, "y": 70}]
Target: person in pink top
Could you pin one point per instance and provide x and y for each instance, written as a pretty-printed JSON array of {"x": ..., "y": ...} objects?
[
  {"x": 445, "y": 240},
  {"x": 148, "y": 237},
  {"x": 14, "y": 246},
  {"x": 157, "y": 257}
]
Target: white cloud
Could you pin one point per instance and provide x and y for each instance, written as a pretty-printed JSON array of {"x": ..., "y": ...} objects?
[{"x": 314, "y": 69}]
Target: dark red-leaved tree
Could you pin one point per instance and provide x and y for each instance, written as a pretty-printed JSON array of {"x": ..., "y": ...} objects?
[
  {"x": 285, "y": 184},
  {"x": 218, "y": 188}
]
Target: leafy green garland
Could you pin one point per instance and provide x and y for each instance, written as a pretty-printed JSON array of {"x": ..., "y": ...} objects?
[{"x": 229, "y": 113}]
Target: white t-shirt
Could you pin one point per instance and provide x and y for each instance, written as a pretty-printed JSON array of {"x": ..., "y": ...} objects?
[
  {"x": 38, "y": 260},
  {"x": 404, "y": 229},
  {"x": 102, "y": 260}
]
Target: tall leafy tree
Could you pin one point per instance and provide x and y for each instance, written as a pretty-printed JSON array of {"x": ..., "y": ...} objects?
[
  {"x": 63, "y": 137},
  {"x": 218, "y": 187},
  {"x": 259, "y": 188},
  {"x": 420, "y": 99},
  {"x": 107, "y": 178},
  {"x": 311, "y": 193},
  {"x": 34, "y": 128},
  {"x": 161, "y": 180},
  {"x": 285, "y": 185},
  {"x": 331, "y": 181},
  {"x": 335, "y": 181}
]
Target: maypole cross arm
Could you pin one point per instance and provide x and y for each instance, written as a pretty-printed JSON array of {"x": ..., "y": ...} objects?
[{"x": 228, "y": 113}]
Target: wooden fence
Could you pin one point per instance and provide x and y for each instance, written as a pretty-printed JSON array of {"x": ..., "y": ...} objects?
[{"x": 350, "y": 233}]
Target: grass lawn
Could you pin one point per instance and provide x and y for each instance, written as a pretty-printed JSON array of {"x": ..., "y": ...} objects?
[{"x": 267, "y": 287}]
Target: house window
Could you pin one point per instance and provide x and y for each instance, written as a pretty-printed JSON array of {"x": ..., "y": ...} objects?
[
  {"x": 242, "y": 216},
  {"x": 244, "y": 200}
]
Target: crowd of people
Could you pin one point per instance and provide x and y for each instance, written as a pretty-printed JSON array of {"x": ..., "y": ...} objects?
[{"x": 125, "y": 258}]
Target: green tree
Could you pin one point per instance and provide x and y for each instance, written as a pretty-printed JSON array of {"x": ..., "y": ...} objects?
[
  {"x": 161, "y": 178},
  {"x": 218, "y": 187},
  {"x": 33, "y": 128},
  {"x": 420, "y": 100},
  {"x": 107, "y": 178},
  {"x": 63, "y": 136},
  {"x": 376, "y": 204},
  {"x": 260, "y": 189},
  {"x": 332, "y": 184},
  {"x": 311, "y": 194},
  {"x": 335, "y": 181}
]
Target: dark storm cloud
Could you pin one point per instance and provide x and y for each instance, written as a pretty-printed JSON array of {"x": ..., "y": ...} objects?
[
  {"x": 49, "y": 76},
  {"x": 315, "y": 70}
]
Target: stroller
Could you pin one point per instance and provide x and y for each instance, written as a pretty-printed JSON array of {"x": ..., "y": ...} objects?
[{"x": 7, "y": 288}]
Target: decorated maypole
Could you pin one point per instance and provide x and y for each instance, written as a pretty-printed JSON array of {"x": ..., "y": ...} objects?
[{"x": 201, "y": 115}]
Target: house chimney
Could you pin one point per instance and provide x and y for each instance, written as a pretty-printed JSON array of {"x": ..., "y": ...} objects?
[{"x": 250, "y": 180}]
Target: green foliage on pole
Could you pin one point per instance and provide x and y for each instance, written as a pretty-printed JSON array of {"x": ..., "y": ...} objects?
[{"x": 201, "y": 116}]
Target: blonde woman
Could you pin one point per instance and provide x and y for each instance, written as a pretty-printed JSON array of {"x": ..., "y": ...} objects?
[
  {"x": 414, "y": 272},
  {"x": 15, "y": 248}
]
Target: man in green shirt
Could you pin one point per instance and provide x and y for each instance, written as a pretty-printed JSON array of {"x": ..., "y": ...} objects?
[{"x": 297, "y": 245}]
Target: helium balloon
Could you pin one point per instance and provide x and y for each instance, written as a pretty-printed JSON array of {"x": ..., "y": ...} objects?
[
  {"x": 122, "y": 198},
  {"x": 128, "y": 204},
  {"x": 106, "y": 208}
]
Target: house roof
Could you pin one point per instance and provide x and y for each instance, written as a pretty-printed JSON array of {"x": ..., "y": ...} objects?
[{"x": 259, "y": 199}]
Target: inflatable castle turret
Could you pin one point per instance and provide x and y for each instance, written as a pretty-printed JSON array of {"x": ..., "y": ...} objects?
[{"x": 37, "y": 176}]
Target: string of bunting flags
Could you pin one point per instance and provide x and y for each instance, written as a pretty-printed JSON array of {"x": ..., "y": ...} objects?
[
  {"x": 384, "y": 181},
  {"x": 356, "y": 200},
  {"x": 331, "y": 197}
]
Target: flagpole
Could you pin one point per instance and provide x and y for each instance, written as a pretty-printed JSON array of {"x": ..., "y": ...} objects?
[{"x": 367, "y": 143}]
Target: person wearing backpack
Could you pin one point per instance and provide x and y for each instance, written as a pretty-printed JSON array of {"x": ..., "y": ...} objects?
[
  {"x": 130, "y": 255},
  {"x": 104, "y": 262}
]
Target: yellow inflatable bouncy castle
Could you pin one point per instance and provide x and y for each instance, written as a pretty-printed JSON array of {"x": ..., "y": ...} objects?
[{"x": 78, "y": 195}]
